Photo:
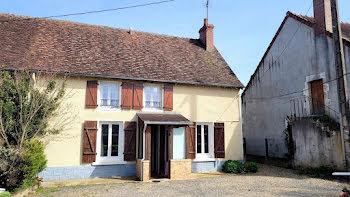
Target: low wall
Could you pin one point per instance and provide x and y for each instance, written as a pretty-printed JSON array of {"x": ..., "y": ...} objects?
[
  {"x": 315, "y": 145},
  {"x": 88, "y": 171}
]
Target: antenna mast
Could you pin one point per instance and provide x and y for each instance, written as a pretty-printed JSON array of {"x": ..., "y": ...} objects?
[{"x": 208, "y": 9}]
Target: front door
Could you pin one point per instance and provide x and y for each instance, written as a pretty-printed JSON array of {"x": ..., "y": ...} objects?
[
  {"x": 317, "y": 97},
  {"x": 159, "y": 152}
]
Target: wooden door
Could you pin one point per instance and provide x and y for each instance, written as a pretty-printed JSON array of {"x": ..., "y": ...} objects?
[{"x": 317, "y": 97}]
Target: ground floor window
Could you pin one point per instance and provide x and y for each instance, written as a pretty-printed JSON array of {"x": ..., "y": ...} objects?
[
  {"x": 110, "y": 138},
  {"x": 205, "y": 140}
]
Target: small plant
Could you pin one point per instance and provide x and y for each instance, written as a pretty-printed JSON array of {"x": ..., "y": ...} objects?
[
  {"x": 237, "y": 167},
  {"x": 251, "y": 167},
  {"x": 233, "y": 167}
]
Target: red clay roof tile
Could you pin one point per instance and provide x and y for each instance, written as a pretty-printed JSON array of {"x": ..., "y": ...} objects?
[{"x": 89, "y": 50}]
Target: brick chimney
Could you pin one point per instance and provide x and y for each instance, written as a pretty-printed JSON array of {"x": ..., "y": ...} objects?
[
  {"x": 206, "y": 35},
  {"x": 323, "y": 16}
]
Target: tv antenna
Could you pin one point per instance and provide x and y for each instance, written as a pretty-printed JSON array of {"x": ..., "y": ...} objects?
[{"x": 207, "y": 5}]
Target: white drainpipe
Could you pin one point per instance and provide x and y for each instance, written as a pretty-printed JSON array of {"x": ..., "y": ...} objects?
[{"x": 143, "y": 149}]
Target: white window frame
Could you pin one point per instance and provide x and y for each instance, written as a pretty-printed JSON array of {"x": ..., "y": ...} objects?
[
  {"x": 161, "y": 87},
  {"x": 206, "y": 156},
  {"x": 110, "y": 160},
  {"x": 119, "y": 91}
]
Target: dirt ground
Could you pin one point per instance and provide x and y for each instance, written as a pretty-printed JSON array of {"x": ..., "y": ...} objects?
[{"x": 269, "y": 181}]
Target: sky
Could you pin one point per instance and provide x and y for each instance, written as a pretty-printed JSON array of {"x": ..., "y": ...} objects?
[{"x": 243, "y": 28}]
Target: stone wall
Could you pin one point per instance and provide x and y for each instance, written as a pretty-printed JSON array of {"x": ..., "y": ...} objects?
[
  {"x": 180, "y": 169},
  {"x": 316, "y": 145}
]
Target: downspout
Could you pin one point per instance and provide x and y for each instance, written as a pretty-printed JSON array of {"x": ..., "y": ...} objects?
[{"x": 143, "y": 149}]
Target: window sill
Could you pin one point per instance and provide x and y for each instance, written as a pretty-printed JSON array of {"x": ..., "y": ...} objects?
[
  {"x": 204, "y": 159},
  {"x": 107, "y": 109},
  {"x": 106, "y": 163},
  {"x": 152, "y": 110}
]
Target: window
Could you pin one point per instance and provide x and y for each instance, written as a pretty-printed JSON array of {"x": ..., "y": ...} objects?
[
  {"x": 153, "y": 97},
  {"x": 109, "y": 143},
  {"x": 109, "y": 95},
  {"x": 205, "y": 140}
]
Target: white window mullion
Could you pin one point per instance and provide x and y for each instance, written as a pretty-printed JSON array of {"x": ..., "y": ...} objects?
[
  {"x": 202, "y": 136},
  {"x": 109, "y": 152}
]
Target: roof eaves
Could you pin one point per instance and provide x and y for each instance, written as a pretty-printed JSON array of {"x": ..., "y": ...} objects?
[{"x": 131, "y": 78}]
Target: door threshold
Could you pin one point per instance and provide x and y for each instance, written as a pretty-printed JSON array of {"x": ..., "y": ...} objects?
[{"x": 157, "y": 180}]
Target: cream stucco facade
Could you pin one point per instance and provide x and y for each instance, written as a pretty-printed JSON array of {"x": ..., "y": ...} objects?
[{"x": 196, "y": 103}]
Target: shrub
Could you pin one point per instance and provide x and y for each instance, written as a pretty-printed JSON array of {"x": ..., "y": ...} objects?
[
  {"x": 237, "y": 167},
  {"x": 251, "y": 167},
  {"x": 11, "y": 168},
  {"x": 19, "y": 170},
  {"x": 35, "y": 159},
  {"x": 233, "y": 167},
  {"x": 5, "y": 194}
]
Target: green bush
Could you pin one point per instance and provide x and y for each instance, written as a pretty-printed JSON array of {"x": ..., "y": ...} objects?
[
  {"x": 251, "y": 167},
  {"x": 35, "y": 159},
  {"x": 11, "y": 168},
  {"x": 18, "y": 169},
  {"x": 233, "y": 167},
  {"x": 5, "y": 194},
  {"x": 237, "y": 167}
]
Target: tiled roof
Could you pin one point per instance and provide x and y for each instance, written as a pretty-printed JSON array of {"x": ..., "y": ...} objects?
[{"x": 90, "y": 50}]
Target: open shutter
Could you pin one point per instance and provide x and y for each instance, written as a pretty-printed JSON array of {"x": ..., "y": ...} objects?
[
  {"x": 91, "y": 94},
  {"x": 168, "y": 98},
  {"x": 89, "y": 142},
  {"x": 191, "y": 141},
  {"x": 219, "y": 140},
  {"x": 127, "y": 90},
  {"x": 138, "y": 96},
  {"x": 130, "y": 141}
]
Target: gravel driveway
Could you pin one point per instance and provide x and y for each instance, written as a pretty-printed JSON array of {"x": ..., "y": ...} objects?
[{"x": 269, "y": 181}]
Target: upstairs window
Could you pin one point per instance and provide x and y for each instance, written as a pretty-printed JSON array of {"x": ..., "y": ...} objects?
[
  {"x": 153, "y": 97},
  {"x": 109, "y": 95}
]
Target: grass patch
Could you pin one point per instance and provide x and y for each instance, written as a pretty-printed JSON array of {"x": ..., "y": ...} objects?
[{"x": 5, "y": 194}]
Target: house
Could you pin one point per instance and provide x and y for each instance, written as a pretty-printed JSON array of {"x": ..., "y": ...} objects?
[
  {"x": 145, "y": 104},
  {"x": 290, "y": 106}
]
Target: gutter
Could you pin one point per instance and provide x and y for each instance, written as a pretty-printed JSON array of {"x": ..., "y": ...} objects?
[{"x": 130, "y": 78}]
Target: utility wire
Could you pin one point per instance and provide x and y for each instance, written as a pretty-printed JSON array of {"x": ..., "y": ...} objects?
[
  {"x": 288, "y": 43},
  {"x": 91, "y": 12}
]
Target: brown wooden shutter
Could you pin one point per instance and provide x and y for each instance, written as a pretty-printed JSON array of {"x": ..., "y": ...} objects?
[
  {"x": 138, "y": 96},
  {"x": 168, "y": 98},
  {"x": 219, "y": 140},
  {"x": 148, "y": 141},
  {"x": 191, "y": 141},
  {"x": 89, "y": 142},
  {"x": 127, "y": 90},
  {"x": 130, "y": 141},
  {"x": 91, "y": 94}
]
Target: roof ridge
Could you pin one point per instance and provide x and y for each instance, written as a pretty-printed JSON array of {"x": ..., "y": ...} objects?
[{"x": 25, "y": 17}]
